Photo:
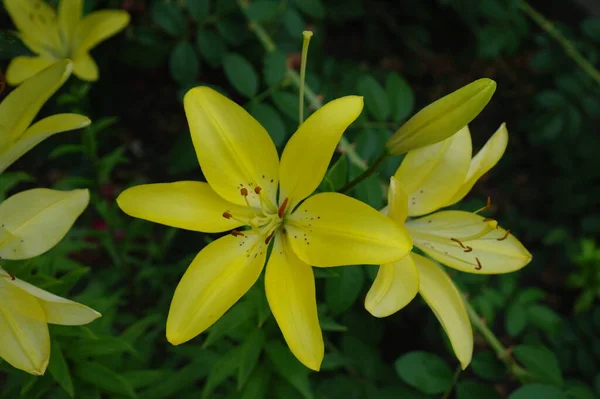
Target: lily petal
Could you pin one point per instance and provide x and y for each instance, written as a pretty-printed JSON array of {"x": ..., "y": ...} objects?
[
  {"x": 22, "y": 68},
  {"x": 461, "y": 225},
  {"x": 36, "y": 220},
  {"x": 233, "y": 149},
  {"x": 485, "y": 160},
  {"x": 36, "y": 19},
  {"x": 58, "y": 310},
  {"x": 496, "y": 252},
  {"x": 290, "y": 288},
  {"x": 98, "y": 26},
  {"x": 394, "y": 287},
  {"x": 397, "y": 208},
  {"x": 69, "y": 14},
  {"x": 23, "y": 330},
  {"x": 431, "y": 175},
  {"x": 38, "y": 132},
  {"x": 85, "y": 68},
  {"x": 440, "y": 293},
  {"x": 217, "y": 278},
  {"x": 23, "y": 103},
  {"x": 308, "y": 152},
  {"x": 331, "y": 229},
  {"x": 186, "y": 205}
]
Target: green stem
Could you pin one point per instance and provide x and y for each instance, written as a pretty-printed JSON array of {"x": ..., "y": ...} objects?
[
  {"x": 501, "y": 351},
  {"x": 365, "y": 174},
  {"x": 454, "y": 381},
  {"x": 310, "y": 95},
  {"x": 569, "y": 48}
]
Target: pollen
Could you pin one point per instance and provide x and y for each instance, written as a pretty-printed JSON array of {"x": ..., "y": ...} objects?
[
  {"x": 227, "y": 215},
  {"x": 257, "y": 189},
  {"x": 236, "y": 233},
  {"x": 244, "y": 192}
]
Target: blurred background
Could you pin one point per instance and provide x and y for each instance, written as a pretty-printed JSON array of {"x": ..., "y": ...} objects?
[{"x": 400, "y": 56}]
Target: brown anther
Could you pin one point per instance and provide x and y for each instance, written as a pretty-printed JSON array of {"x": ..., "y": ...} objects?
[
  {"x": 227, "y": 215},
  {"x": 456, "y": 240},
  {"x": 12, "y": 277},
  {"x": 488, "y": 220},
  {"x": 257, "y": 189},
  {"x": 487, "y": 206},
  {"x": 244, "y": 192},
  {"x": 268, "y": 239},
  {"x": 468, "y": 249},
  {"x": 479, "y": 266},
  {"x": 236, "y": 233},
  {"x": 504, "y": 237},
  {"x": 282, "y": 208}
]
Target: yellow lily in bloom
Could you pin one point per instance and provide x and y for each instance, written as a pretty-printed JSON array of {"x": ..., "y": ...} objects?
[
  {"x": 32, "y": 222},
  {"x": 57, "y": 37},
  {"x": 21, "y": 105},
  {"x": 428, "y": 179},
  {"x": 249, "y": 186}
]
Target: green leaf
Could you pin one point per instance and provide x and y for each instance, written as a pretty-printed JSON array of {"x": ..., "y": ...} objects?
[
  {"x": 100, "y": 347},
  {"x": 328, "y": 324},
  {"x": 543, "y": 317},
  {"x": 313, "y": 8},
  {"x": 537, "y": 391},
  {"x": 516, "y": 319},
  {"x": 238, "y": 314},
  {"x": 65, "y": 150},
  {"x": 486, "y": 365},
  {"x": 8, "y": 180},
  {"x": 336, "y": 176},
  {"x": 289, "y": 368},
  {"x": 400, "y": 96},
  {"x": 224, "y": 368},
  {"x": 199, "y": 9},
  {"x": 342, "y": 292},
  {"x": 169, "y": 17},
  {"x": 270, "y": 120},
  {"x": 183, "y": 63},
  {"x": 251, "y": 349},
  {"x": 275, "y": 68},
  {"x": 541, "y": 362},
  {"x": 104, "y": 378},
  {"x": 471, "y": 389},
  {"x": 376, "y": 100},
  {"x": 293, "y": 23},
  {"x": 261, "y": 10},
  {"x": 288, "y": 103},
  {"x": 59, "y": 369},
  {"x": 258, "y": 384},
  {"x": 211, "y": 47},
  {"x": 530, "y": 295},
  {"x": 591, "y": 28},
  {"x": 142, "y": 378},
  {"x": 424, "y": 371},
  {"x": 241, "y": 74}
]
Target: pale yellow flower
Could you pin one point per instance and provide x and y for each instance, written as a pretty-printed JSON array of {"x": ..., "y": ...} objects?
[
  {"x": 57, "y": 36},
  {"x": 249, "y": 186},
  {"x": 428, "y": 179},
  {"x": 32, "y": 222}
]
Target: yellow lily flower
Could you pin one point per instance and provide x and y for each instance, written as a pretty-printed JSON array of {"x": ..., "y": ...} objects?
[
  {"x": 32, "y": 222},
  {"x": 21, "y": 105},
  {"x": 54, "y": 37},
  {"x": 428, "y": 179},
  {"x": 245, "y": 176}
]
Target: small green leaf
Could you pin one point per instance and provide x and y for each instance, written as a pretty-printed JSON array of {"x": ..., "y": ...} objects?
[
  {"x": 104, "y": 378},
  {"x": 59, "y": 369},
  {"x": 400, "y": 96},
  {"x": 199, "y": 9},
  {"x": 183, "y": 63},
  {"x": 8, "y": 180},
  {"x": 541, "y": 362},
  {"x": 275, "y": 68},
  {"x": 313, "y": 8},
  {"x": 376, "y": 100},
  {"x": 288, "y": 103},
  {"x": 211, "y": 47},
  {"x": 293, "y": 23},
  {"x": 471, "y": 389},
  {"x": 100, "y": 347},
  {"x": 537, "y": 391},
  {"x": 241, "y": 74},
  {"x": 238, "y": 314},
  {"x": 336, "y": 176},
  {"x": 224, "y": 368},
  {"x": 342, "y": 292},
  {"x": 289, "y": 368},
  {"x": 543, "y": 317},
  {"x": 270, "y": 120},
  {"x": 258, "y": 384},
  {"x": 486, "y": 365},
  {"x": 591, "y": 28},
  {"x": 251, "y": 349},
  {"x": 169, "y": 17},
  {"x": 261, "y": 10},
  {"x": 424, "y": 371},
  {"x": 516, "y": 319}
]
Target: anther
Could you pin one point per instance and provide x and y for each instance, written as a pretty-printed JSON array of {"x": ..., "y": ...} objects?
[
  {"x": 488, "y": 220},
  {"x": 236, "y": 233},
  {"x": 12, "y": 277},
  {"x": 456, "y": 240},
  {"x": 505, "y": 236},
  {"x": 227, "y": 215},
  {"x": 468, "y": 249},
  {"x": 257, "y": 189},
  {"x": 244, "y": 192},
  {"x": 487, "y": 206},
  {"x": 478, "y": 267},
  {"x": 282, "y": 208},
  {"x": 268, "y": 239}
]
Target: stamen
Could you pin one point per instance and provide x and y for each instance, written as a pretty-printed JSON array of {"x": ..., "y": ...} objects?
[
  {"x": 306, "y": 35},
  {"x": 456, "y": 240},
  {"x": 237, "y": 233},
  {"x": 504, "y": 237},
  {"x": 468, "y": 249},
  {"x": 479, "y": 266},
  {"x": 282, "y": 208},
  {"x": 257, "y": 189},
  {"x": 227, "y": 215},
  {"x": 487, "y": 206},
  {"x": 244, "y": 192},
  {"x": 488, "y": 220},
  {"x": 268, "y": 239}
]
